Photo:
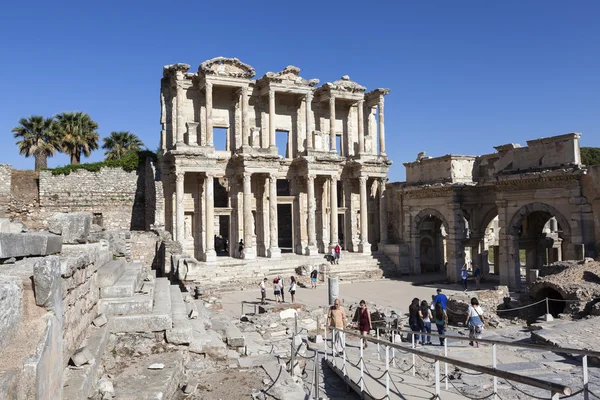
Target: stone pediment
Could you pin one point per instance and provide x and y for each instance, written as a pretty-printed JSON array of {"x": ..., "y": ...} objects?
[
  {"x": 375, "y": 94},
  {"x": 289, "y": 75},
  {"x": 226, "y": 67},
  {"x": 175, "y": 68},
  {"x": 346, "y": 85}
]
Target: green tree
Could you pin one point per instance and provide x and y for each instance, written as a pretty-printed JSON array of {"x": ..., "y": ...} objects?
[
  {"x": 590, "y": 156},
  {"x": 78, "y": 134},
  {"x": 119, "y": 143},
  {"x": 37, "y": 139}
]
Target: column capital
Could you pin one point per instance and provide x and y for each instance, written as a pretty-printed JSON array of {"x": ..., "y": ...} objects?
[
  {"x": 384, "y": 180},
  {"x": 309, "y": 95},
  {"x": 273, "y": 177},
  {"x": 244, "y": 90},
  {"x": 209, "y": 175},
  {"x": 363, "y": 179},
  {"x": 179, "y": 175},
  {"x": 271, "y": 93},
  {"x": 208, "y": 85},
  {"x": 380, "y": 101},
  {"x": 247, "y": 176},
  {"x": 310, "y": 177}
]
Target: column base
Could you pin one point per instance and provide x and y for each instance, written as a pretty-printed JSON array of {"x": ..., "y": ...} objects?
[
  {"x": 274, "y": 252},
  {"x": 210, "y": 256},
  {"x": 364, "y": 248},
  {"x": 249, "y": 254},
  {"x": 311, "y": 250}
]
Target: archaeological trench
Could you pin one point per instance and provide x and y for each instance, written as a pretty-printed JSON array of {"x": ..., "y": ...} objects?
[{"x": 110, "y": 281}]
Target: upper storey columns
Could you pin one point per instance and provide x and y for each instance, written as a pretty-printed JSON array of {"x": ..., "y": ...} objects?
[
  {"x": 381, "y": 127},
  {"x": 272, "y": 117},
  {"x": 374, "y": 99},
  {"x": 361, "y": 127},
  {"x": 332, "y": 146},
  {"x": 209, "y": 110},
  {"x": 309, "y": 119}
]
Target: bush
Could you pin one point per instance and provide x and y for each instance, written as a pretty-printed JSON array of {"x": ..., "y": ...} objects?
[
  {"x": 131, "y": 161},
  {"x": 590, "y": 156}
]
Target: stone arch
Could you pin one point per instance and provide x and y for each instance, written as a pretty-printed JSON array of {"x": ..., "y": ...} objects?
[
  {"x": 488, "y": 217},
  {"x": 428, "y": 212},
  {"x": 524, "y": 211}
]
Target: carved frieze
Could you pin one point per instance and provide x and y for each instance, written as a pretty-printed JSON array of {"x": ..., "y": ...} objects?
[{"x": 228, "y": 67}]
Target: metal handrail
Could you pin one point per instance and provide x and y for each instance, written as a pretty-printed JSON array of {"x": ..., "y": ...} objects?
[
  {"x": 538, "y": 383},
  {"x": 561, "y": 350}
]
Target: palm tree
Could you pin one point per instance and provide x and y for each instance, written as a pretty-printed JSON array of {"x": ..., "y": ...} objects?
[
  {"x": 37, "y": 139},
  {"x": 119, "y": 143},
  {"x": 78, "y": 134}
]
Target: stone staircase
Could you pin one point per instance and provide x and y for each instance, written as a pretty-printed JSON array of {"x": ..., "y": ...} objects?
[{"x": 230, "y": 274}]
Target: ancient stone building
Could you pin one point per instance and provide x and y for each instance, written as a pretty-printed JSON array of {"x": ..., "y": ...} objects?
[
  {"x": 278, "y": 162},
  {"x": 508, "y": 212}
]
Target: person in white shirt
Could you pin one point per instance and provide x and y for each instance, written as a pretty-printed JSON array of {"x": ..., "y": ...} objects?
[
  {"x": 277, "y": 290},
  {"x": 475, "y": 321},
  {"x": 293, "y": 288},
  {"x": 263, "y": 291}
]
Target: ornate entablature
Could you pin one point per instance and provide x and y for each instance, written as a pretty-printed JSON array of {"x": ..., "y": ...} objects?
[
  {"x": 374, "y": 95},
  {"x": 226, "y": 67},
  {"x": 290, "y": 75},
  {"x": 174, "y": 68},
  {"x": 342, "y": 88}
]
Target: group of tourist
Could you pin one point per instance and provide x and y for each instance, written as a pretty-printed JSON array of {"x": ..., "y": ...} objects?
[
  {"x": 464, "y": 277},
  {"x": 278, "y": 290}
]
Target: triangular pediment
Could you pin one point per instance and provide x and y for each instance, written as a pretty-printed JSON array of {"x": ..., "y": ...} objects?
[
  {"x": 227, "y": 67},
  {"x": 289, "y": 75}
]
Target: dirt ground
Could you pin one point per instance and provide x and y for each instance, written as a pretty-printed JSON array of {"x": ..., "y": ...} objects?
[{"x": 227, "y": 384}]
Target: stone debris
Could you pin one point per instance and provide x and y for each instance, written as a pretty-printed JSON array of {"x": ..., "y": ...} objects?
[
  {"x": 193, "y": 314},
  {"x": 73, "y": 227},
  {"x": 191, "y": 386},
  {"x": 106, "y": 388},
  {"x": 100, "y": 320},
  {"x": 81, "y": 357},
  {"x": 289, "y": 313},
  {"x": 156, "y": 366}
]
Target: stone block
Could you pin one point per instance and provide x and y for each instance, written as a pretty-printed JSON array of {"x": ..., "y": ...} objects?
[
  {"x": 82, "y": 357},
  {"x": 11, "y": 300},
  {"x": 47, "y": 282},
  {"x": 100, "y": 320},
  {"x": 74, "y": 227},
  {"x": 140, "y": 323},
  {"x": 138, "y": 304},
  {"x": 11, "y": 227},
  {"x": 109, "y": 273},
  {"x": 29, "y": 244},
  {"x": 289, "y": 313}
]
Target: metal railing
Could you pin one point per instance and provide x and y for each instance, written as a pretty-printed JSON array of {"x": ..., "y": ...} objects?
[{"x": 555, "y": 389}]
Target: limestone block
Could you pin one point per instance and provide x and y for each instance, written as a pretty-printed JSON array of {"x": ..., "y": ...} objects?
[
  {"x": 100, "y": 320},
  {"x": 29, "y": 244},
  {"x": 74, "y": 227},
  {"x": 11, "y": 227},
  {"x": 289, "y": 313},
  {"x": 11, "y": 298},
  {"x": 47, "y": 282}
]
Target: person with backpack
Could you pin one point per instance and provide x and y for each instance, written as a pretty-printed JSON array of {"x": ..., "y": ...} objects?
[
  {"x": 475, "y": 321},
  {"x": 425, "y": 316},
  {"x": 338, "y": 253},
  {"x": 441, "y": 320},
  {"x": 313, "y": 278},
  {"x": 277, "y": 290}
]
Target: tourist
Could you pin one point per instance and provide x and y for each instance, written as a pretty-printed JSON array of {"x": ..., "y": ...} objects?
[
  {"x": 276, "y": 290},
  {"x": 281, "y": 289},
  {"x": 475, "y": 321},
  {"x": 364, "y": 321},
  {"x": 338, "y": 253},
  {"x": 413, "y": 319},
  {"x": 241, "y": 247},
  {"x": 441, "y": 321},
  {"x": 425, "y": 316},
  {"x": 313, "y": 278},
  {"x": 440, "y": 298},
  {"x": 336, "y": 318},
  {"x": 293, "y": 288},
  {"x": 464, "y": 275},
  {"x": 332, "y": 256},
  {"x": 263, "y": 291},
  {"x": 477, "y": 275},
  {"x": 432, "y": 306}
]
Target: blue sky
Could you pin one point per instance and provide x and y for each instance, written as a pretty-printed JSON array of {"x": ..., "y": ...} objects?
[{"x": 465, "y": 75}]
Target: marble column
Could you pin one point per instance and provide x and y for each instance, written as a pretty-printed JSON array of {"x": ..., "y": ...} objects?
[
  {"x": 210, "y": 255},
  {"x": 245, "y": 124},
  {"x": 180, "y": 99},
  {"x": 209, "y": 106},
  {"x": 332, "y": 144},
  {"x": 309, "y": 121},
  {"x": 364, "y": 246},
  {"x": 381, "y": 127},
  {"x": 383, "y": 223},
  {"x": 311, "y": 249},
  {"x": 249, "y": 250},
  {"x": 274, "y": 251},
  {"x": 179, "y": 211},
  {"x": 333, "y": 209},
  {"x": 361, "y": 127},
  {"x": 272, "y": 142}
]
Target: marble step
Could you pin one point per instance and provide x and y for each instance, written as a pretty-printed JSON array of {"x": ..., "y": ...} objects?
[
  {"x": 181, "y": 330},
  {"x": 139, "y": 303},
  {"x": 109, "y": 273},
  {"x": 126, "y": 285}
]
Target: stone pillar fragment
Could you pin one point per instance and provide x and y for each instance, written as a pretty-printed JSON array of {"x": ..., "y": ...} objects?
[
  {"x": 210, "y": 254},
  {"x": 179, "y": 211},
  {"x": 272, "y": 142},
  {"x": 361, "y": 127},
  {"x": 364, "y": 246},
  {"x": 274, "y": 250},
  {"x": 383, "y": 223},
  {"x": 333, "y": 221},
  {"x": 311, "y": 249},
  {"x": 381, "y": 127},
  {"x": 332, "y": 144},
  {"x": 209, "y": 107},
  {"x": 249, "y": 250}
]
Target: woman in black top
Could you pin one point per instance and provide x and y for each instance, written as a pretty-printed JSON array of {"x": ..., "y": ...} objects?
[{"x": 413, "y": 318}]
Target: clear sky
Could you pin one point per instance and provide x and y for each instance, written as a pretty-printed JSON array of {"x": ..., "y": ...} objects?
[{"x": 465, "y": 75}]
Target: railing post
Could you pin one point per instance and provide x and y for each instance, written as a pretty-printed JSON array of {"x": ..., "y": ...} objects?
[
  {"x": 437, "y": 378},
  {"x": 387, "y": 372},
  {"x": 413, "y": 355},
  {"x": 325, "y": 341},
  {"x": 292, "y": 359},
  {"x": 378, "y": 348},
  {"x": 316, "y": 379},
  {"x": 586, "y": 394},
  {"x": 295, "y": 324},
  {"x": 494, "y": 358},
  {"x": 445, "y": 363},
  {"x": 394, "y": 349},
  {"x": 547, "y": 306},
  {"x": 362, "y": 368},
  {"x": 343, "y": 335}
]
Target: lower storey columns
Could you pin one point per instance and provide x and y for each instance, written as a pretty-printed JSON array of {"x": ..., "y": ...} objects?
[
  {"x": 274, "y": 250},
  {"x": 311, "y": 249},
  {"x": 179, "y": 210},
  {"x": 210, "y": 255},
  {"x": 383, "y": 224},
  {"x": 249, "y": 252},
  {"x": 364, "y": 246},
  {"x": 333, "y": 212}
]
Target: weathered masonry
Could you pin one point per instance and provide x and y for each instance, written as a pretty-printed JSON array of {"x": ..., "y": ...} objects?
[
  {"x": 277, "y": 162},
  {"x": 508, "y": 212}
]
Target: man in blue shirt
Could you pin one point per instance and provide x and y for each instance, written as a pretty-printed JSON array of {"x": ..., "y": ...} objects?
[{"x": 440, "y": 298}]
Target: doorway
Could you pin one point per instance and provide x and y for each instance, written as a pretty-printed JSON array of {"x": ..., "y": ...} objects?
[
  {"x": 341, "y": 231},
  {"x": 285, "y": 228},
  {"x": 222, "y": 239}
]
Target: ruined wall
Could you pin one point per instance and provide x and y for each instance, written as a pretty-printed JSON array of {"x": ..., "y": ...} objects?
[
  {"x": 5, "y": 182},
  {"x": 143, "y": 248},
  {"x": 591, "y": 190},
  {"x": 449, "y": 168},
  {"x": 115, "y": 196}
]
